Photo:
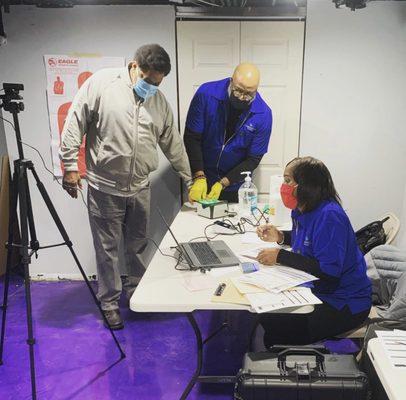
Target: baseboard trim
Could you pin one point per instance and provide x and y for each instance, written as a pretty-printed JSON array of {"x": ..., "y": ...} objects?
[{"x": 61, "y": 277}]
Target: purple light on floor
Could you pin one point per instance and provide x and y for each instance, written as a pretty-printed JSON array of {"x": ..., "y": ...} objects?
[{"x": 75, "y": 355}]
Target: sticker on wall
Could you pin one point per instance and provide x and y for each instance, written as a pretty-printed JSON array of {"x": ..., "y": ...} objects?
[{"x": 65, "y": 75}]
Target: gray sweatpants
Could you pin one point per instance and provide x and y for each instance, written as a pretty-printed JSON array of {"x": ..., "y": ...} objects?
[{"x": 113, "y": 218}]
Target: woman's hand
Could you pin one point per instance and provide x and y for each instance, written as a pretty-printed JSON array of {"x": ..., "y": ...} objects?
[
  {"x": 268, "y": 256},
  {"x": 268, "y": 233}
]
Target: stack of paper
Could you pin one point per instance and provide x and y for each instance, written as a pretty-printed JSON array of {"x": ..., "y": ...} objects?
[
  {"x": 230, "y": 295},
  {"x": 269, "y": 289},
  {"x": 265, "y": 302},
  {"x": 394, "y": 344},
  {"x": 277, "y": 279}
]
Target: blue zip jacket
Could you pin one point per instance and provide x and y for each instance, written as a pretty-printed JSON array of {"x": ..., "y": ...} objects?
[
  {"x": 326, "y": 235},
  {"x": 208, "y": 116}
]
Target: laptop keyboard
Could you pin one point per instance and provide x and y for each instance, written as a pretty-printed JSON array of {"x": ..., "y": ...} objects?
[{"x": 204, "y": 253}]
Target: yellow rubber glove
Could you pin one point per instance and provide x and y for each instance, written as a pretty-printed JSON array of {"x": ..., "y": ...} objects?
[
  {"x": 215, "y": 191},
  {"x": 198, "y": 191}
]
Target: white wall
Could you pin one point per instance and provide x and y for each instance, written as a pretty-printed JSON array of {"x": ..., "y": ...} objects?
[
  {"x": 354, "y": 103},
  {"x": 401, "y": 239},
  {"x": 353, "y": 117},
  {"x": 108, "y": 30}
]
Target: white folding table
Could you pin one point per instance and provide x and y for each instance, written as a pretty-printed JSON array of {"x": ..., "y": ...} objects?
[
  {"x": 392, "y": 379},
  {"x": 162, "y": 287}
]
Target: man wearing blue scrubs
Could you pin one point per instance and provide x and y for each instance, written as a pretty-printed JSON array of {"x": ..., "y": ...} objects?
[{"x": 228, "y": 128}]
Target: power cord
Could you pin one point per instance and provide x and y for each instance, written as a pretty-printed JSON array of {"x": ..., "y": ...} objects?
[
  {"x": 54, "y": 176},
  {"x": 239, "y": 227}
]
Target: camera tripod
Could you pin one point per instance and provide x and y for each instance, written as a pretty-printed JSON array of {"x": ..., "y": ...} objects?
[{"x": 29, "y": 245}]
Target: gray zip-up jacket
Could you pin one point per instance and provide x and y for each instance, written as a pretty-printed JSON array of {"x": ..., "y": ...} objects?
[{"x": 122, "y": 134}]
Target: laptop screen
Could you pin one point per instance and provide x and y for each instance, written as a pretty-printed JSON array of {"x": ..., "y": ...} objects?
[{"x": 185, "y": 256}]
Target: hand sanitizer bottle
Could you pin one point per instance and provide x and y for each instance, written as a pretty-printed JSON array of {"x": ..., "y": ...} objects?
[{"x": 247, "y": 196}]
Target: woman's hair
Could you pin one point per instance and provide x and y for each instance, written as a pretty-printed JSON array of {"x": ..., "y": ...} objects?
[{"x": 314, "y": 183}]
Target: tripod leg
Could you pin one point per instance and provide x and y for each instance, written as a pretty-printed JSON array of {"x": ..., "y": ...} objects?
[
  {"x": 22, "y": 186},
  {"x": 34, "y": 245},
  {"x": 68, "y": 242},
  {"x": 11, "y": 223}
]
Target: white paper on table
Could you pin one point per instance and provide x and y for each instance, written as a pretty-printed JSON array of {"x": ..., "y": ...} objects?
[
  {"x": 245, "y": 288},
  {"x": 221, "y": 271},
  {"x": 265, "y": 302},
  {"x": 251, "y": 237},
  {"x": 253, "y": 253},
  {"x": 394, "y": 344},
  {"x": 199, "y": 282},
  {"x": 277, "y": 279}
]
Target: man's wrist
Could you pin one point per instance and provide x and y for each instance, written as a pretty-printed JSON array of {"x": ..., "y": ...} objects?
[
  {"x": 224, "y": 182},
  {"x": 199, "y": 175}
]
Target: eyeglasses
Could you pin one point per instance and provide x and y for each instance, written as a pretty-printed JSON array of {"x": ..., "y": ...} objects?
[{"x": 242, "y": 95}]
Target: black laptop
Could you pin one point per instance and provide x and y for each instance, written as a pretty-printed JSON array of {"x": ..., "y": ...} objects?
[{"x": 205, "y": 254}]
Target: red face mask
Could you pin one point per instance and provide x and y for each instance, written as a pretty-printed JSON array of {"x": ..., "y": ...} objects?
[{"x": 289, "y": 200}]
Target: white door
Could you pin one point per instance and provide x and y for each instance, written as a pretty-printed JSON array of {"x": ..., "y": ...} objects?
[
  {"x": 277, "y": 49},
  {"x": 210, "y": 50},
  {"x": 207, "y": 51}
]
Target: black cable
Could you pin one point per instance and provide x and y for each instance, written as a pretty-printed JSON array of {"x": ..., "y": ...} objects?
[
  {"x": 54, "y": 176},
  {"x": 181, "y": 260},
  {"x": 238, "y": 227},
  {"x": 258, "y": 220},
  {"x": 195, "y": 238},
  {"x": 4, "y": 119},
  {"x": 205, "y": 231},
  {"x": 156, "y": 245},
  {"x": 42, "y": 159},
  {"x": 265, "y": 217}
]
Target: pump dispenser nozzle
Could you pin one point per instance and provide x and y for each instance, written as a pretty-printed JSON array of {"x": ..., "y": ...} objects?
[{"x": 248, "y": 176}]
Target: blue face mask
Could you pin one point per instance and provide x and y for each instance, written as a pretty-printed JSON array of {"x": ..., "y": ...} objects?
[{"x": 144, "y": 89}]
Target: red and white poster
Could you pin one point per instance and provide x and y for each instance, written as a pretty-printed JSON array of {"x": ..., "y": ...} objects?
[{"x": 65, "y": 75}]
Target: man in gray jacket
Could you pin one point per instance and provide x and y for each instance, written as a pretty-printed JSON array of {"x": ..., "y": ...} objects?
[{"x": 125, "y": 117}]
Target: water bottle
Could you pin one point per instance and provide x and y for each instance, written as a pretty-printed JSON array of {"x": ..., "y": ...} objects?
[{"x": 247, "y": 196}]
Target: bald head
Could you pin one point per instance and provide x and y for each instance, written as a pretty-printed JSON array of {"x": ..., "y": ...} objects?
[{"x": 246, "y": 77}]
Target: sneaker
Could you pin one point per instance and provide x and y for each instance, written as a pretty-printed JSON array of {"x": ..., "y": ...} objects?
[{"x": 114, "y": 319}]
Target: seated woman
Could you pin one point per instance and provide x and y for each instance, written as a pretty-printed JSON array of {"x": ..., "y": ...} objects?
[{"x": 323, "y": 244}]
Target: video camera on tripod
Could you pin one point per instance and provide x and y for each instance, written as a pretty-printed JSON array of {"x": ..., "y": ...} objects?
[
  {"x": 21, "y": 210},
  {"x": 11, "y": 92}
]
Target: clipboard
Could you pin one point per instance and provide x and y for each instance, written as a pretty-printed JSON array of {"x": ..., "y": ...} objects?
[{"x": 226, "y": 292}]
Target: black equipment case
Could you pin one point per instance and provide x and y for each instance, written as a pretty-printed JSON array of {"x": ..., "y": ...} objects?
[{"x": 300, "y": 374}]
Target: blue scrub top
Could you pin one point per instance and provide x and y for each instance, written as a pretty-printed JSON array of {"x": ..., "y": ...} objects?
[
  {"x": 326, "y": 234},
  {"x": 208, "y": 116}
]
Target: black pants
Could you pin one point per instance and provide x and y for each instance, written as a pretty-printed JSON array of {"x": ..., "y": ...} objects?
[
  {"x": 299, "y": 329},
  {"x": 231, "y": 197}
]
